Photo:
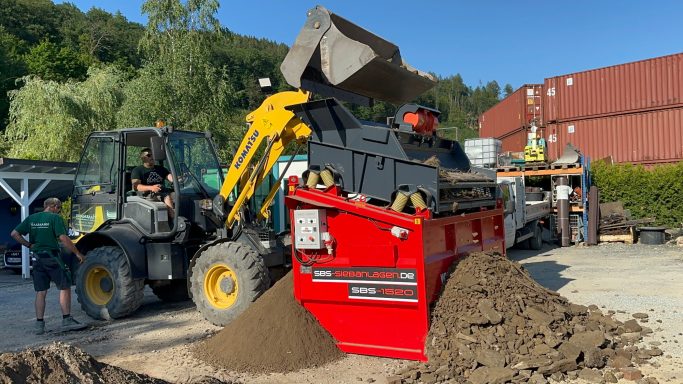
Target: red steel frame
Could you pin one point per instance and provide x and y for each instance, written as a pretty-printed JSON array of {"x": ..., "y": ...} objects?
[{"x": 366, "y": 255}]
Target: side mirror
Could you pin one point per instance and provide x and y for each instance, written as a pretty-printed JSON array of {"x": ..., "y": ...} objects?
[
  {"x": 509, "y": 206},
  {"x": 156, "y": 144}
]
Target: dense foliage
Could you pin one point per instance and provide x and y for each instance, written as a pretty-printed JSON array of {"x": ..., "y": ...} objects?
[
  {"x": 647, "y": 192},
  {"x": 66, "y": 73}
]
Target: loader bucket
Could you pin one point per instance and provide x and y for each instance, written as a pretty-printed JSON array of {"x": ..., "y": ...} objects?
[{"x": 332, "y": 54}]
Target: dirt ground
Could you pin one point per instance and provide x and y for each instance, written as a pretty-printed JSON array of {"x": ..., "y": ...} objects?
[{"x": 157, "y": 339}]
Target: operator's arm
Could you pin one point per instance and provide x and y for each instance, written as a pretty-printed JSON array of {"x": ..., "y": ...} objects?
[
  {"x": 20, "y": 239},
  {"x": 138, "y": 186},
  {"x": 71, "y": 247}
]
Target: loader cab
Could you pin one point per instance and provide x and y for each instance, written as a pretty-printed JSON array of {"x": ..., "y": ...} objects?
[{"x": 103, "y": 187}]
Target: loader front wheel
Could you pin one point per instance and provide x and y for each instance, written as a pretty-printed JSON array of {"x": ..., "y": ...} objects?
[
  {"x": 105, "y": 286},
  {"x": 226, "y": 278}
]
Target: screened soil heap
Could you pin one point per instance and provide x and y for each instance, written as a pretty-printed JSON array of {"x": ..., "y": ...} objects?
[
  {"x": 64, "y": 364},
  {"x": 494, "y": 324},
  {"x": 275, "y": 334}
]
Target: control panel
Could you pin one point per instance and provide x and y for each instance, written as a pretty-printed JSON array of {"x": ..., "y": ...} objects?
[{"x": 310, "y": 227}]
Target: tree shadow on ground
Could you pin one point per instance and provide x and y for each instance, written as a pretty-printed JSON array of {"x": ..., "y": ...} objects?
[{"x": 547, "y": 273}]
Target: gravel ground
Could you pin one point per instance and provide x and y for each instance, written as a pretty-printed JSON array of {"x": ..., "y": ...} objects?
[
  {"x": 627, "y": 279},
  {"x": 157, "y": 339}
]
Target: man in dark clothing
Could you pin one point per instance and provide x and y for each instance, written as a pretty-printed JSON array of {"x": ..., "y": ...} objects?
[
  {"x": 150, "y": 177},
  {"x": 44, "y": 229}
]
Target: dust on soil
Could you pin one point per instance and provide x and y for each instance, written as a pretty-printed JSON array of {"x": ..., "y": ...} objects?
[
  {"x": 493, "y": 324},
  {"x": 275, "y": 334},
  {"x": 63, "y": 363}
]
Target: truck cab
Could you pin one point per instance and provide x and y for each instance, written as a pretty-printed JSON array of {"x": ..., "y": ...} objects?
[{"x": 525, "y": 212}]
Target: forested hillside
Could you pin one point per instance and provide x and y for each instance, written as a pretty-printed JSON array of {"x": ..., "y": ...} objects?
[{"x": 65, "y": 73}]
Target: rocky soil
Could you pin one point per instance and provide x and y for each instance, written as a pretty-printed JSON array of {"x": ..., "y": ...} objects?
[
  {"x": 64, "y": 364},
  {"x": 495, "y": 324}
]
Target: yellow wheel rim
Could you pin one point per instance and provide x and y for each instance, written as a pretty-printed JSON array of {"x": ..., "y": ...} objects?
[
  {"x": 220, "y": 286},
  {"x": 99, "y": 285}
]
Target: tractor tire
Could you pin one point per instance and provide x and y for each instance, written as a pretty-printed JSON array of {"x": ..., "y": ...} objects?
[
  {"x": 105, "y": 287},
  {"x": 226, "y": 278},
  {"x": 171, "y": 291},
  {"x": 536, "y": 241}
]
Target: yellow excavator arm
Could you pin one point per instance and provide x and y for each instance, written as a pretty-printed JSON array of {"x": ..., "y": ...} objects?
[{"x": 275, "y": 126}]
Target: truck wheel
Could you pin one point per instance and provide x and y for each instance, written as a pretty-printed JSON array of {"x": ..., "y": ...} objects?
[
  {"x": 171, "y": 291},
  {"x": 226, "y": 278},
  {"x": 536, "y": 241},
  {"x": 105, "y": 286}
]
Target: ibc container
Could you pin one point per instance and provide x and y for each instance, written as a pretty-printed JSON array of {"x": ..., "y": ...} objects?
[
  {"x": 639, "y": 138},
  {"x": 632, "y": 87},
  {"x": 514, "y": 112},
  {"x": 483, "y": 152}
]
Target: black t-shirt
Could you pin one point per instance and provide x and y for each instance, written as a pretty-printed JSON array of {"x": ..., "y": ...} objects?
[{"x": 150, "y": 176}]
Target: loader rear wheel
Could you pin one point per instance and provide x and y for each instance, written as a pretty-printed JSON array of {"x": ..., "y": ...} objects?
[
  {"x": 536, "y": 241},
  {"x": 105, "y": 286},
  {"x": 226, "y": 278},
  {"x": 170, "y": 291}
]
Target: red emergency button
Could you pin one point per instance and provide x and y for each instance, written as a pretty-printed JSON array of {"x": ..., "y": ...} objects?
[{"x": 311, "y": 238}]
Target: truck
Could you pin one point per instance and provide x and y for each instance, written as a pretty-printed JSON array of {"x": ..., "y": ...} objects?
[
  {"x": 526, "y": 210},
  {"x": 377, "y": 219}
]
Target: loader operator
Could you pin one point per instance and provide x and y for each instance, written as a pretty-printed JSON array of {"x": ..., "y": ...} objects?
[
  {"x": 149, "y": 177},
  {"x": 44, "y": 229}
]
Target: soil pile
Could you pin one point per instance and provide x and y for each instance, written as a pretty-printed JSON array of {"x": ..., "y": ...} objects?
[
  {"x": 64, "y": 364},
  {"x": 275, "y": 334},
  {"x": 494, "y": 324}
]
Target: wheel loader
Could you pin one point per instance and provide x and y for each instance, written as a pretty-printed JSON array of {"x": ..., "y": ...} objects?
[{"x": 218, "y": 253}]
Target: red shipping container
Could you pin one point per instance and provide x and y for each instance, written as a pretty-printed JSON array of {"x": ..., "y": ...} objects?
[
  {"x": 632, "y": 87},
  {"x": 644, "y": 138},
  {"x": 514, "y": 112},
  {"x": 514, "y": 141}
]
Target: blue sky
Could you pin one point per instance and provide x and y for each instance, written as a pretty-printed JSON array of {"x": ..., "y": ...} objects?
[{"x": 514, "y": 42}]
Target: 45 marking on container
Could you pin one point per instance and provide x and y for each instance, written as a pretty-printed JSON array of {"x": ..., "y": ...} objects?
[{"x": 551, "y": 91}]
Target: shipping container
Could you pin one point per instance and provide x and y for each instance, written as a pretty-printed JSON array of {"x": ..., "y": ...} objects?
[
  {"x": 514, "y": 141},
  {"x": 632, "y": 87},
  {"x": 639, "y": 138},
  {"x": 518, "y": 110}
]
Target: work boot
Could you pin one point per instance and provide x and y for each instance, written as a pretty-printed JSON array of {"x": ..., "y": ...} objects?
[
  {"x": 39, "y": 327},
  {"x": 70, "y": 324}
]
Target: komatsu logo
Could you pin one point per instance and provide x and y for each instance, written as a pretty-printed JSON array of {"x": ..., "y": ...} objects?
[{"x": 250, "y": 143}]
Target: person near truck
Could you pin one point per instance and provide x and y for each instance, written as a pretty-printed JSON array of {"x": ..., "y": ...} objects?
[
  {"x": 149, "y": 177},
  {"x": 46, "y": 229}
]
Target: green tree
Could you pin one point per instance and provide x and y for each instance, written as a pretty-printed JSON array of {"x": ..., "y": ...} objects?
[
  {"x": 50, "y": 62},
  {"x": 11, "y": 69},
  {"x": 179, "y": 82},
  {"x": 50, "y": 120},
  {"x": 508, "y": 90}
]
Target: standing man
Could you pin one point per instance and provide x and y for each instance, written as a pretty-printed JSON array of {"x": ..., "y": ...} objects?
[
  {"x": 150, "y": 177},
  {"x": 44, "y": 230}
]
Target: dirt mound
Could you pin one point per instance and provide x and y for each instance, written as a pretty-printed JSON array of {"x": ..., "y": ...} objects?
[
  {"x": 494, "y": 324},
  {"x": 62, "y": 363},
  {"x": 275, "y": 334}
]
